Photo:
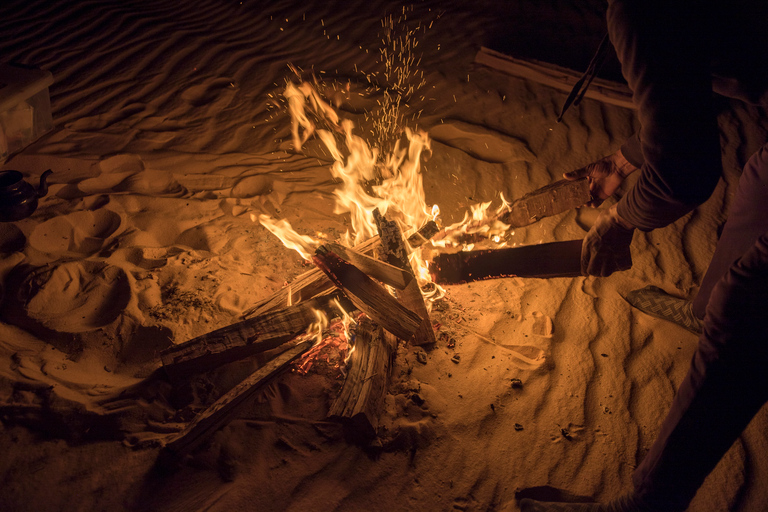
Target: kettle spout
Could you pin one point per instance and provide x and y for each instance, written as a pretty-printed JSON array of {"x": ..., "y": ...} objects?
[{"x": 43, "y": 188}]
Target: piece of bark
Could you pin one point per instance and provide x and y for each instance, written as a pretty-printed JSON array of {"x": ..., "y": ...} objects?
[
  {"x": 226, "y": 408},
  {"x": 558, "y": 77},
  {"x": 361, "y": 400},
  {"x": 555, "y": 198},
  {"x": 367, "y": 295},
  {"x": 393, "y": 251},
  {"x": 555, "y": 259},
  {"x": 380, "y": 270},
  {"x": 314, "y": 282},
  {"x": 246, "y": 338}
]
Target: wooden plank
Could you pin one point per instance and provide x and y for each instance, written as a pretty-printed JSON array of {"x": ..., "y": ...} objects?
[
  {"x": 555, "y": 198},
  {"x": 361, "y": 400},
  {"x": 384, "y": 272},
  {"x": 368, "y": 296},
  {"x": 554, "y": 259},
  {"x": 314, "y": 282},
  {"x": 226, "y": 408},
  {"x": 558, "y": 77},
  {"x": 394, "y": 251},
  {"x": 246, "y": 338}
]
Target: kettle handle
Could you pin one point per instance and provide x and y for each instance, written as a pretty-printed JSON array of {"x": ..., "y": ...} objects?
[{"x": 43, "y": 188}]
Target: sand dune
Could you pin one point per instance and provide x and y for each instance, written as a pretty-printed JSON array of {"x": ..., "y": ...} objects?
[{"x": 171, "y": 131}]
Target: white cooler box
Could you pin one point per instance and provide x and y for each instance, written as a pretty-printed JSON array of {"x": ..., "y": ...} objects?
[{"x": 25, "y": 107}]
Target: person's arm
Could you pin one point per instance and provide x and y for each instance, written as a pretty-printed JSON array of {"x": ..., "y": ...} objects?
[{"x": 663, "y": 50}]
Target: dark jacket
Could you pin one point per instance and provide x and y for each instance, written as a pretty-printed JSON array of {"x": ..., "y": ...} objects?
[{"x": 673, "y": 55}]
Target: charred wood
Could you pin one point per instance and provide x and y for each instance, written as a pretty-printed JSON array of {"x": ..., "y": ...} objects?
[
  {"x": 393, "y": 250},
  {"x": 361, "y": 401},
  {"x": 367, "y": 295}
]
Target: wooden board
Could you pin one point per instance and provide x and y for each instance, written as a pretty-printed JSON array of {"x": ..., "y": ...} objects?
[
  {"x": 380, "y": 270},
  {"x": 555, "y": 259},
  {"x": 555, "y": 198},
  {"x": 314, "y": 282},
  {"x": 368, "y": 296},
  {"x": 558, "y": 77},
  {"x": 361, "y": 400},
  {"x": 394, "y": 251},
  {"x": 226, "y": 408},
  {"x": 246, "y": 338}
]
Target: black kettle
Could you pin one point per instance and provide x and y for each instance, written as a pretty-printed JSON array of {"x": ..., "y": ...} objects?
[{"x": 18, "y": 199}]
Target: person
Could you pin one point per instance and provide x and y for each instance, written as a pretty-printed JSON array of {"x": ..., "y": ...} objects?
[{"x": 673, "y": 55}]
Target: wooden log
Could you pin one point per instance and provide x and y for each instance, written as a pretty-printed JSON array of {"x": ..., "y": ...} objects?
[
  {"x": 314, "y": 282},
  {"x": 226, "y": 408},
  {"x": 368, "y": 296},
  {"x": 555, "y": 198},
  {"x": 394, "y": 252},
  {"x": 555, "y": 259},
  {"x": 246, "y": 338},
  {"x": 361, "y": 400},
  {"x": 384, "y": 272},
  {"x": 560, "y": 78}
]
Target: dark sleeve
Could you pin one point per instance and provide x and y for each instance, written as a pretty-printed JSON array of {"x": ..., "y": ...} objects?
[
  {"x": 632, "y": 150},
  {"x": 663, "y": 50}
]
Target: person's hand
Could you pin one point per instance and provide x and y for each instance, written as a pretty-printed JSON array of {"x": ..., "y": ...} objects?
[
  {"x": 604, "y": 176},
  {"x": 606, "y": 247}
]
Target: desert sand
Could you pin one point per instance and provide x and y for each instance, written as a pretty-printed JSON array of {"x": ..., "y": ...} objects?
[{"x": 171, "y": 132}]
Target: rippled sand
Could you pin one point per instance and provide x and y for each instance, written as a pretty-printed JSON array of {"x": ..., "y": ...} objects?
[{"x": 171, "y": 132}]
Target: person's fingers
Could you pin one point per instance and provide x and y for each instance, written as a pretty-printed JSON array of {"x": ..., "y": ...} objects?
[{"x": 578, "y": 173}]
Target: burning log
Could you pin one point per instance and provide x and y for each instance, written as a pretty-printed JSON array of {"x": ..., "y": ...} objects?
[
  {"x": 547, "y": 201},
  {"x": 384, "y": 272},
  {"x": 315, "y": 282},
  {"x": 394, "y": 252},
  {"x": 367, "y": 295},
  {"x": 360, "y": 403},
  {"x": 225, "y": 409},
  {"x": 246, "y": 338},
  {"x": 555, "y": 259}
]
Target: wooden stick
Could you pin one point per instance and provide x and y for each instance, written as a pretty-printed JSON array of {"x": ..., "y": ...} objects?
[
  {"x": 246, "y": 338},
  {"x": 395, "y": 253},
  {"x": 225, "y": 409},
  {"x": 547, "y": 201},
  {"x": 555, "y": 259},
  {"x": 367, "y": 295},
  {"x": 361, "y": 401}
]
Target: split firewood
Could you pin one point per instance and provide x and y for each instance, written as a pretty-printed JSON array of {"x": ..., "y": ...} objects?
[
  {"x": 555, "y": 259},
  {"x": 226, "y": 408},
  {"x": 246, "y": 338},
  {"x": 367, "y": 295},
  {"x": 555, "y": 198},
  {"x": 314, "y": 282},
  {"x": 361, "y": 401},
  {"x": 384, "y": 272},
  {"x": 394, "y": 252}
]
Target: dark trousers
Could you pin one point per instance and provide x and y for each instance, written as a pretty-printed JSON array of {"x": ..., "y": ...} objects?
[{"x": 727, "y": 382}]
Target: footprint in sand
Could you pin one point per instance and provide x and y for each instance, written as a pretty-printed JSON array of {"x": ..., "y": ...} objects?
[
  {"x": 78, "y": 233},
  {"x": 252, "y": 186},
  {"x": 77, "y": 296},
  {"x": 481, "y": 143},
  {"x": 208, "y": 91},
  {"x": 12, "y": 239},
  {"x": 126, "y": 173}
]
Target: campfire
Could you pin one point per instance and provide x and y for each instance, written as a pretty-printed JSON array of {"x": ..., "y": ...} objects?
[{"x": 378, "y": 273}]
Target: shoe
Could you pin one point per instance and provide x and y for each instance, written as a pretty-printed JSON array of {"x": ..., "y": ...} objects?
[{"x": 654, "y": 301}]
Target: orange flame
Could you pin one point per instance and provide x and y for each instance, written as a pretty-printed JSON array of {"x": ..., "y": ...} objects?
[{"x": 303, "y": 244}]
